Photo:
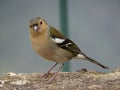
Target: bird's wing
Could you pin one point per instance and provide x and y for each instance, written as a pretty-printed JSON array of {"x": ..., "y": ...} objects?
[
  {"x": 63, "y": 42},
  {"x": 56, "y": 34}
]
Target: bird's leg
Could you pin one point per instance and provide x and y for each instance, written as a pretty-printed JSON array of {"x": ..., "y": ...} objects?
[
  {"x": 55, "y": 74},
  {"x": 47, "y": 74}
]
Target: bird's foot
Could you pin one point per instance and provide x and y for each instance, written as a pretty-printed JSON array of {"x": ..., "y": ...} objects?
[
  {"x": 52, "y": 78},
  {"x": 48, "y": 74}
]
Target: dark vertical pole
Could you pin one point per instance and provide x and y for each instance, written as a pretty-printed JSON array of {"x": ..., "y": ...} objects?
[{"x": 64, "y": 26}]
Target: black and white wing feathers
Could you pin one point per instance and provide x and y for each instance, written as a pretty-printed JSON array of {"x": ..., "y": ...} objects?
[{"x": 63, "y": 42}]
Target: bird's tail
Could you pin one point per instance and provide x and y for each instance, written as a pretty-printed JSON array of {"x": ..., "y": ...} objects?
[{"x": 85, "y": 57}]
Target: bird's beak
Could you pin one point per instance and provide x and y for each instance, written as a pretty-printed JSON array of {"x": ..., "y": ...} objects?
[{"x": 35, "y": 27}]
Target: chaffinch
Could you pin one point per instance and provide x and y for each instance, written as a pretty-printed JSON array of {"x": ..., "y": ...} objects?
[{"x": 52, "y": 45}]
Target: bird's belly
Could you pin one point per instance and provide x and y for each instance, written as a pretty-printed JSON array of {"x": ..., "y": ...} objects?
[{"x": 53, "y": 53}]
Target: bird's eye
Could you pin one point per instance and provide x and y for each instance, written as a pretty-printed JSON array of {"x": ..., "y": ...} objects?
[
  {"x": 41, "y": 22},
  {"x": 30, "y": 26}
]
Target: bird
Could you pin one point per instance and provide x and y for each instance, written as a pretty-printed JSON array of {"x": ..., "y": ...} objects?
[{"x": 53, "y": 45}]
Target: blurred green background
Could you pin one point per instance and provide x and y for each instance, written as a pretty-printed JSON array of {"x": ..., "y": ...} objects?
[{"x": 94, "y": 25}]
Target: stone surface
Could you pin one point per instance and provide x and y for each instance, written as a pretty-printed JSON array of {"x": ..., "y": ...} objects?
[{"x": 80, "y": 80}]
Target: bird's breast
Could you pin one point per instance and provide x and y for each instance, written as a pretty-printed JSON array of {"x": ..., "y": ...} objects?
[{"x": 50, "y": 51}]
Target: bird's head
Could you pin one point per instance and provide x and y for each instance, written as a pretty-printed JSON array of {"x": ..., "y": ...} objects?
[{"x": 37, "y": 25}]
